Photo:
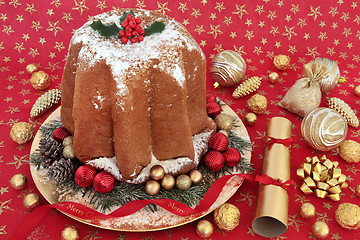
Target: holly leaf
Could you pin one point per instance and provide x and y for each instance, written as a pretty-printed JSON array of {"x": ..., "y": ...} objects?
[
  {"x": 156, "y": 27},
  {"x": 123, "y": 17},
  {"x": 105, "y": 30}
]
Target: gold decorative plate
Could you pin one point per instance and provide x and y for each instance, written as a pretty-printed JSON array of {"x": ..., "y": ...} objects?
[{"x": 142, "y": 220}]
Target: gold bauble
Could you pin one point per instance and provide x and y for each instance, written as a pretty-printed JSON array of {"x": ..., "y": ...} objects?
[
  {"x": 227, "y": 68},
  {"x": 357, "y": 190},
  {"x": 273, "y": 77},
  {"x": 307, "y": 210},
  {"x": 70, "y": 233},
  {"x": 31, "y": 201},
  {"x": 183, "y": 182},
  {"x": 204, "y": 229},
  {"x": 40, "y": 80},
  {"x": 349, "y": 150},
  {"x": 196, "y": 176},
  {"x": 224, "y": 122},
  {"x": 320, "y": 230},
  {"x": 157, "y": 172},
  {"x": 68, "y": 141},
  {"x": 168, "y": 182},
  {"x": 347, "y": 215},
  {"x": 227, "y": 217},
  {"x": 257, "y": 104},
  {"x": 31, "y": 68},
  {"x": 21, "y": 132},
  {"x": 324, "y": 129},
  {"x": 224, "y": 132},
  {"x": 357, "y": 91},
  {"x": 18, "y": 181},
  {"x": 68, "y": 152},
  {"x": 282, "y": 62},
  {"x": 152, "y": 187},
  {"x": 250, "y": 119}
]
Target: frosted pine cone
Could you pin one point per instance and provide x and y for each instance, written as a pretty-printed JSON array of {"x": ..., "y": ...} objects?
[
  {"x": 62, "y": 170},
  {"x": 345, "y": 110},
  {"x": 50, "y": 151},
  {"x": 248, "y": 86},
  {"x": 46, "y": 101}
]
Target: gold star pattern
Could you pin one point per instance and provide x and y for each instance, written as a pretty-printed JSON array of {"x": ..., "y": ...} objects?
[
  {"x": 240, "y": 10},
  {"x": 314, "y": 12},
  {"x": 54, "y": 27},
  {"x": 80, "y": 6},
  {"x": 215, "y": 30},
  {"x": 162, "y": 8}
]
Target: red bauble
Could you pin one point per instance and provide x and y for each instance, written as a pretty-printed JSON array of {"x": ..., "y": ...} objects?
[
  {"x": 84, "y": 176},
  {"x": 213, "y": 109},
  {"x": 60, "y": 134},
  {"x": 232, "y": 156},
  {"x": 104, "y": 182},
  {"x": 210, "y": 97},
  {"x": 218, "y": 142},
  {"x": 214, "y": 160}
]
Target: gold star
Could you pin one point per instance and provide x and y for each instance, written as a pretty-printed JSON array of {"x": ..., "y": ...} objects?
[
  {"x": 80, "y": 6},
  {"x": 322, "y": 24},
  {"x": 340, "y": 2},
  {"x": 219, "y": 6},
  {"x": 330, "y": 51},
  {"x": 272, "y": 15},
  {"x": 261, "y": 24},
  {"x": 67, "y": 17},
  {"x": 263, "y": 41},
  {"x": 42, "y": 41},
  {"x": 7, "y": 29},
  {"x": 240, "y": 50},
  {"x": 277, "y": 44},
  {"x": 248, "y": 22},
  {"x": 240, "y": 10},
  {"x": 183, "y": 7},
  {"x": 203, "y": 43},
  {"x": 312, "y": 52},
  {"x": 52, "y": 55},
  {"x": 322, "y": 36},
  {"x": 199, "y": 29},
  {"x": 228, "y": 21},
  {"x": 162, "y": 8},
  {"x": 249, "y": 34},
  {"x": 218, "y": 47},
  {"x": 292, "y": 49},
  {"x": 57, "y": 3},
  {"x": 336, "y": 236},
  {"x": 306, "y": 36},
  {"x": 33, "y": 52},
  {"x": 3, "y": 17},
  {"x": 345, "y": 16},
  {"x": 280, "y": 3},
  {"x": 233, "y": 35},
  {"x": 140, "y": 4},
  {"x": 196, "y": 13},
  {"x": 185, "y": 22},
  {"x": 3, "y": 190},
  {"x": 336, "y": 42},
  {"x": 30, "y": 8},
  {"x": 357, "y": 19},
  {"x": 50, "y": 12},
  {"x": 20, "y": 18},
  {"x": 347, "y": 32},
  {"x": 215, "y": 30},
  {"x": 349, "y": 45},
  {"x": 333, "y": 11},
  {"x": 258, "y": 51},
  {"x": 101, "y": 5},
  {"x": 5, "y": 205},
  {"x": 322, "y": 217},
  {"x": 259, "y": 9},
  {"x": 19, "y": 47},
  {"x": 213, "y": 16},
  {"x": 26, "y": 37},
  {"x": 21, "y": 60},
  {"x": 274, "y": 30},
  {"x": 294, "y": 8},
  {"x": 36, "y": 25},
  {"x": 246, "y": 197},
  {"x": 314, "y": 12},
  {"x": 8, "y": 99},
  {"x": 26, "y": 101},
  {"x": 288, "y": 18},
  {"x": 289, "y": 32},
  {"x": 54, "y": 27},
  {"x": 15, "y": 3},
  {"x": 204, "y": 2},
  {"x": 59, "y": 46},
  {"x": 295, "y": 222},
  {"x": 354, "y": 5},
  {"x": 302, "y": 22}
]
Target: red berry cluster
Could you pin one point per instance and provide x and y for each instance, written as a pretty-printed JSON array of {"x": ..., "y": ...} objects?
[{"x": 131, "y": 30}]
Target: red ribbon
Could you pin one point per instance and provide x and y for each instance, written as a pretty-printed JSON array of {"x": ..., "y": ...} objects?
[
  {"x": 286, "y": 141},
  {"x": 267, "y": 180}
]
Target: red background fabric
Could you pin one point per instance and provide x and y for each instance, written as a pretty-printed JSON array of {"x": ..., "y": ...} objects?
[{"x": 39, "y": 32}]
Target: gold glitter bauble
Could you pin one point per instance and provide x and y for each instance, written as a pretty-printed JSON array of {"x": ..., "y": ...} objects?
[
  {"x": 324, "y": 129},
  {"x": 18, "y": 181},
  {"x": 257, "y": 104},
  {"x": 68, "y": 152},
  {"x": 68, "y": 141},
  {"x": 168, "y": 182},
  {"x": 250, "y": 119},
  {"x": 31, "y": 201},
  {"x": 227, "y": 68},
  {"x": 157, "y": 172},
  {"x": 224, "y": 122},
  {"x": 40, "y": 80},
  {"x": 357, "y": 190},
  {"x": 320, "y": 230},
  {"x": 224, "y": 132},
  {"x": 349, "y": 150},
  {"x": 21, "y": 132},
  {"x": 357, "y": 91},
  {"x": 227, "y": 217},
  {"x": 250, "y": 85},
  {"x": 31, "y": 68},
  {"x": 183, "y": 182},
  {"x": 70, "y": 233},
  {"x": 282, "y": 62},
  {"x": 204, "y": 229},
  {"x": 152, "y": 187},
  {"x": 347, "y": 216},
  {"x": 196, "y": 176},
  {"x": 273, "y": 77},
  {"x": 307, "y": 210}
]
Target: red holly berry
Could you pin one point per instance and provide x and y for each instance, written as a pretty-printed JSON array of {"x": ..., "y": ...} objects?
[
  {"x": 129, "y": 16},
  {"x": 213, "y": 109},
  {"x": 141, "y": 31},
  {"x": 128, "y": 29},
  {"x": 210, "y": 97},
  {"x": 132, "y": 24},
  {"x": 129, "y": 34},
  {"x": 124, "y": 23},
  {"x": 214, "y": 160},
  {"x": 218, "y": 142},
  {"x": 138, "y": 20},
  {"x": 134, "y": 33},
  {"x": 124, "y": 39},
  {"x": 104, "y": 182},
  {"x": 133, "y": 40},
  {"x": 232, "y": 156},
  {"x": 122, "y": 33},
  {"x": 140, "y": 38},
  {"x": 84, "y": 175}
]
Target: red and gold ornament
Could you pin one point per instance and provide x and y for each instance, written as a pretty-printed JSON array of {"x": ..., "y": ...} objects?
[
  {"x": 213, "y": 109},
  {"x": 210, "y": 97},
  {"x": 84, "y": 176},
  {"x": 214, "y": 160},
  {"x": 232, "y": 156},
  {"x": 104, "y": 182},
  {"x": 218, "y": 142},
  {"x": 60, "y": 134}
]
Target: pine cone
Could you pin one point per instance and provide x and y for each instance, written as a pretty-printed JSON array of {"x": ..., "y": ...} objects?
[
  {"x": 248, "y": 86},
  {"x": 345, "y": 110},
  {"x": 46, "y": 101},
  {"x": 62, "y": 170},
  {"x": 50, "y": 150}
]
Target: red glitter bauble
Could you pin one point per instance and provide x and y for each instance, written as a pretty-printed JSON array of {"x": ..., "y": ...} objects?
[
  {"x": 218, "y": 142},
  {"x": 210, "y": 97},
  {"x": 214, "y": 160},
  {"x": 104, "y": 182},
  {"x": 84, "y": 176},
  {"x": 213, "y": 109},
  {"x": 232, "y": 156},
  {"x": 60, "y": 134}
]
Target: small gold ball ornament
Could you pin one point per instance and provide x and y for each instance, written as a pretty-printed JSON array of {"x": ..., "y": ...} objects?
[
  {"x": 152, "y": 187},
  {"x": 349, "y": 151},
  {"x": 204, "y": 229},
  {"x": 273, "y": 77},
  {"x": 227, "y": 217},
  {"x": 18, "y": 181},
  {"x": 183, "y": 182},
  {"x": 68, "y": 141},
  {"x": 70, "y": 233},
  {"x": 21, "y": 132},
  {"x": 357, "y": 91},
  {"x": 282, "y": 62},
  {"x": 347, "y": 215},
  {"x": 307, "y": 210},
  {"x": 224, "y": 122},
  {"x": 31, "y": 68},
  {"x": 31, "y": 201},
  {"x": 196, "y": 176},
  {"x": 168, "y": 182},
  {"x": 40, "y": 80},
  {"x": 357, "y": 190},
  {"x": 250, "y": 119},
  {"x": 68, "y": 152},
  {"x": 257, "y": 104},
  {"x": 320, "y": 230},
  {"x": 157, "y": 172}
]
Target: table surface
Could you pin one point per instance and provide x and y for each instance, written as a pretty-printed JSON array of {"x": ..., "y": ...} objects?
[{"x": 34, "y": 32}]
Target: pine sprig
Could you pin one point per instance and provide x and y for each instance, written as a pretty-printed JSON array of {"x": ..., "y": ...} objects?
[{"x": 48, "y": 129}]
